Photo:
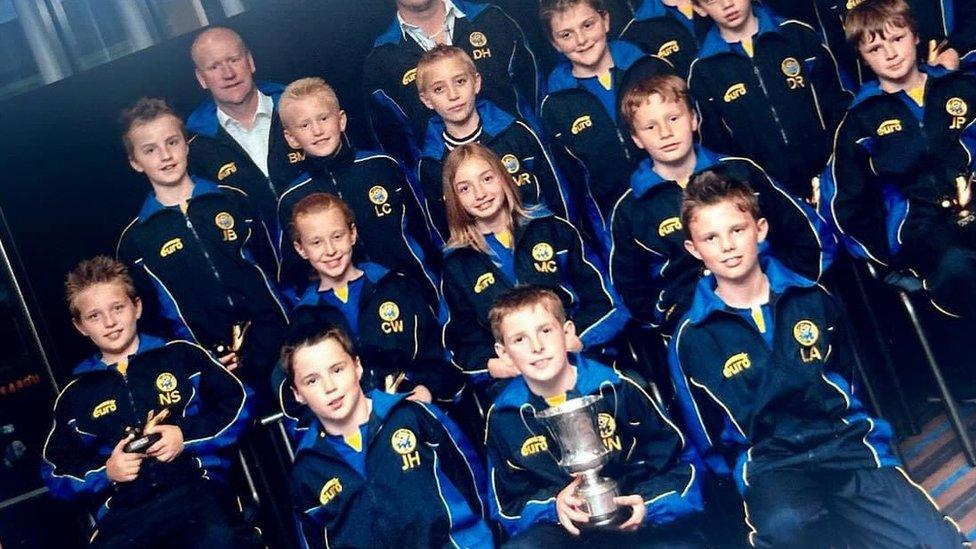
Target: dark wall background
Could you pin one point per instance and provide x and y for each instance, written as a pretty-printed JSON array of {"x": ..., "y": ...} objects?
[{"x": 65, "y": 186}]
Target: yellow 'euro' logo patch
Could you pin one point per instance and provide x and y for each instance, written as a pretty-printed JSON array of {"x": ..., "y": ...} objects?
[
  {"x": 734, "y": 92},
  {"x": 330, "y": 490},
  {"x": 104, "y": 408},
  {"x": 409, "y": 77},
  {"x": 581, "y": 124},
  {"x": 736, "y": 364},
  {"x": 668, "y": 48},
  {"x": 669, "y": 226},
  {"x": 226, "y": 171},
  {"x": 171, "y": 247},
  {"x": 889, "y": 127},
  {"x": 483, "y": 282},
  {"x": 534, "y": 445}
]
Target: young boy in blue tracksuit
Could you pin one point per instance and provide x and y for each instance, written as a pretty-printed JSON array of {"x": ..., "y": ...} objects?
[
  {"x": 899, "y": 184},
  {"x": 762, "y": 366},
  {"x": 526, "y": 14},
  {"x": 492, "y": 39},
  {"x": 531, "y": 496},
  {"x": 395, "y": 331},
  {"x": 374, "y": 469},
  {"x": 648, "y": 263},
  {"x": 946, "y": 31},
  {"x": 671, "y": 30},
  {"x": 173, "y": 490},
  {"x": 580, "y": 109},
  {"x": 372, "y": 184},
  {"x": 449, "y": 85},
  {"x": 204, "y": 251},
  {"x": 767, "y": 88}
]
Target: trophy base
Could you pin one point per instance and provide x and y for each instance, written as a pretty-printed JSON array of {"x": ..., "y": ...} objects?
[
  {"x": 605, "y": 522},
  {"x": 598, "y": 499}
]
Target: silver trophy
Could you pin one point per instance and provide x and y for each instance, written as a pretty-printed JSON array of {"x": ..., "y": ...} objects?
[{"x": 573, "y": 426}]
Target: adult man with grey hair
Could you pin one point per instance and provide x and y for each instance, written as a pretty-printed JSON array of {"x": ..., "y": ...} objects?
[{"x": 238, "y": 138}]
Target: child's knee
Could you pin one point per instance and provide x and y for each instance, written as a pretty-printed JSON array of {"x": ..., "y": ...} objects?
[{"x": 783, "y": 526}]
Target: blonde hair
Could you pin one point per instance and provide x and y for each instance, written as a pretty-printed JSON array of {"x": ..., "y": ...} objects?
[
  {"x": 100, "y": 269},
  {"x": 440, "y": 53},
  {"x": 671, "y": 88},
  {"x": 318, "y": 203},
  {"x": 869, "y": 19},
  {"x": 463, "y": 231},
  {"x": 308, "y": 87}
]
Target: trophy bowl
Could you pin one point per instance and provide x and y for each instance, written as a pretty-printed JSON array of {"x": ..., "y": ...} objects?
[{"x": 573, "y": 425}]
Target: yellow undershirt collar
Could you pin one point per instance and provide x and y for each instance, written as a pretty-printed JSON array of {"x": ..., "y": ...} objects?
[
  {"x": 355, "y": 441},
  {"x": 917, "y": 95},
  {"x": 505, "y": 238},
  {"x": 556, "y": 400}
]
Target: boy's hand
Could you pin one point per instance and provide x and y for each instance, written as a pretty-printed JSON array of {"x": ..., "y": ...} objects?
[
  {"x": 574, "y": 344},
  {"x": 636, "y": 503},
  {"x": 167, "y": 448},
  {"x": 814, "y": 199},
  {"x": 121, "y": 465},
  {"x": 171, "y": 445},
  {"x": 939, "y": 54},
  {"x": 498, "y": 369},
  {"x": 569, "y": 508},
  {"x": 231, "y": 361},
  {"x": 421, "y": 394}
]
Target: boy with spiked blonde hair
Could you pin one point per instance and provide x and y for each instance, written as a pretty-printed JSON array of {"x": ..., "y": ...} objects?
[{"x": 391, "y": 227}]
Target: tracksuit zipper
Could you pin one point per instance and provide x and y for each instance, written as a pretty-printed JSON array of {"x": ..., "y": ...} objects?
[
  {"x": 206, "y": 254},
  {"x": 772, "y": 109}
]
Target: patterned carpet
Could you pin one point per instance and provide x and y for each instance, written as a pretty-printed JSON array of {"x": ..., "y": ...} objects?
[{"x": 935, "y": 461}]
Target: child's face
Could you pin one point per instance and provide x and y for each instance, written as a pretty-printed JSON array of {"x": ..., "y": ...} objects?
[
  {"x": 580, "y": 33},
  {"x": 480, "y": 190},
  {"x": 728, "y": 14},
  {"x": 451, "y": 90},
  {"x": 665, "y": 129},
  {"x": 159, "y": 150},
  {"x": 108, "y": 316},
  {"x": 534, "y": 342},
  {"x": 726, "y": 239},
  {"x": 326, "y": 242},
  {"x": 326, "y": 379},
  {"x": 892, "y": 57},
  {"x": 313, "y": 125}
]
